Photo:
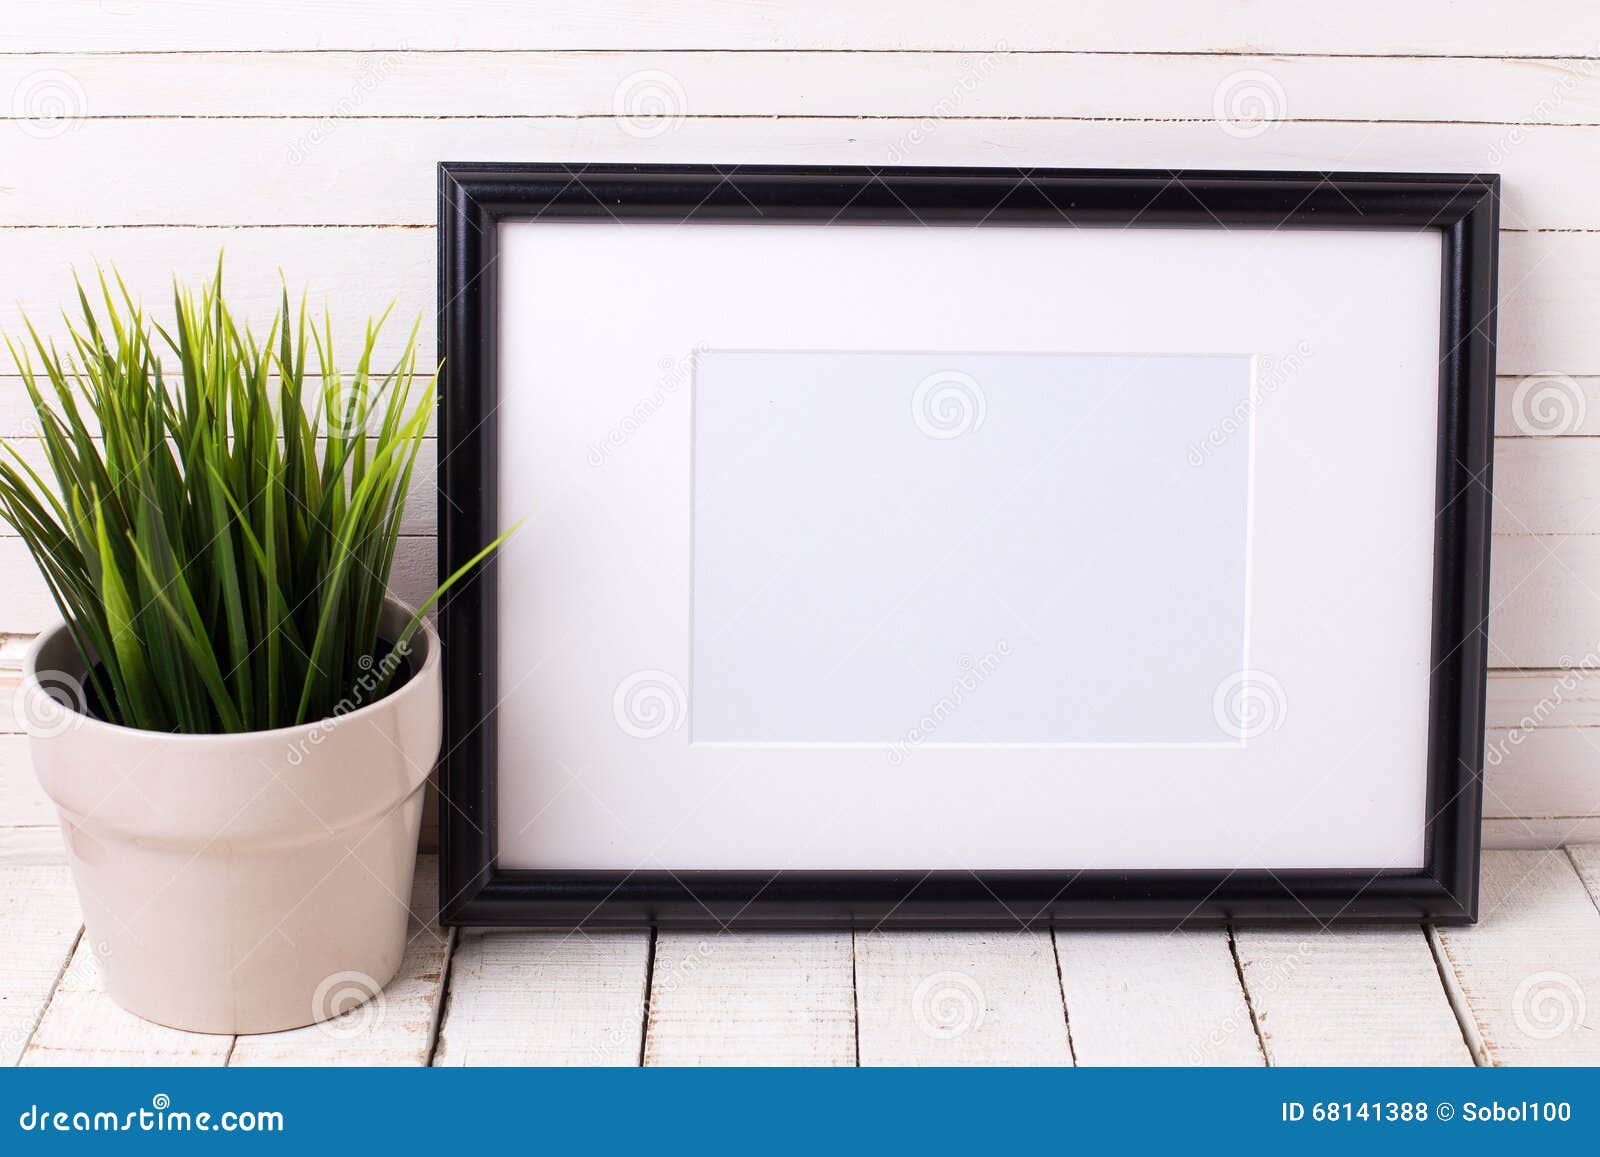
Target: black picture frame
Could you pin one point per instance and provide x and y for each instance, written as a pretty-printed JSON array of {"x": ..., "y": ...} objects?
[{"x": 475, "y": 198}]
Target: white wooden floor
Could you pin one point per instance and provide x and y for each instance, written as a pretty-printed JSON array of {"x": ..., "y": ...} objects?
[{"x": 1522, "y": 987}]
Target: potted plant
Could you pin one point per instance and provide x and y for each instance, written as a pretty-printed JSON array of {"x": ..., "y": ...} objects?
[{"x": 234, "y": 721}]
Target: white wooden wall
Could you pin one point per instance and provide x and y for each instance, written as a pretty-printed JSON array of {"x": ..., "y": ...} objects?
[{"x": 303, "y": 136}]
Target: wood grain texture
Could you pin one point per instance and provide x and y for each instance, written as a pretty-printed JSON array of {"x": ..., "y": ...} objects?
[
  {"x": 1527, "y": 976},
  {"x": 769, "y": 998},
  {"x": 959, "y": 998},
  {"x": 1155, "y": 998},
  {"x": 1350, "y": 996},
  {"x": 396, "y": 1027},
  {"x": 1544, "y": 596},
  {"x": 985, "y": 82},
  {"x": 1524, "y": 832},
  {"x": 545, "y": 998},
  {"x": 84, "y": 1026},
  {"x": 38, "y": 847},
  {"x": 1475, "y": 27},
  {"x": 39, "y": 924},
  {"x": 377, "y": 171},
  {"x": 1586, "y": 860}
]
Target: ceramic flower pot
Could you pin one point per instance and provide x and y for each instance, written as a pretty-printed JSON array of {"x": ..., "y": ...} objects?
[{"x": 241, "y": 883}]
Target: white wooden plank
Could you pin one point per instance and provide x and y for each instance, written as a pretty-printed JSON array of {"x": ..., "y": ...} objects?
[
  {"x": 352, "y": 273},
  {"x": 32, "y": 847},
  {"x": 1363, "y": 26},
  {"x": 959, "y": 998},
  {"x": 1548, "y": 404},
  {"x": 394, "y": 1028},
  {"x": 1542, "y": 750},
  {"x": 545, "y": 998},
  {"x": 22, "y": 801},
  {"x": 27, "y": 607},
  {"x": 1527, "y": 976},
  {"x": 1548, "y": 281},
  {"x": 1548, "y": 485},
  {"x": 1155, "y": 998},
  {"x": 984, "y": 83},
  {"x": 1350, "y": 996},
  {"x": 83, "y": 1026},
  {"x": 39, "y": 924},
  {"x": 1545, "y": 611},
  {"x": 1586, "y": 860},
  {"x": 382, "y": 171},
  {"x": 766, "y": 998},
  {"x": 422, "y": 498},
  {"x": 1513, "y": 834}
]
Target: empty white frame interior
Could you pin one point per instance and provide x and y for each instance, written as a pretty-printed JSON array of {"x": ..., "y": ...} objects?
[{"x": 902, "y": 547}]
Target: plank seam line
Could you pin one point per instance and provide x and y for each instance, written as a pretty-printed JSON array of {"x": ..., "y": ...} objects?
[
  {"x": 1249, "y": 1002},
  {"x": 649, "y": 993},
  {"x": 855, "y": 996},
  {"x": 1061, "y": 987},
  {"x": 917, "y": 117},
  {"x": 657, "y": 50},
  {"x": 44, "y": 1005},
  {"x": 1594, "y": 897},
  {"x": 446, "y": 974},
  {"x": 1471, "y": 1036}
]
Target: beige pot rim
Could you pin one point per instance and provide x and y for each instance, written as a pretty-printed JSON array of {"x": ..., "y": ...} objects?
[{"x": 393, "y": 607}]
